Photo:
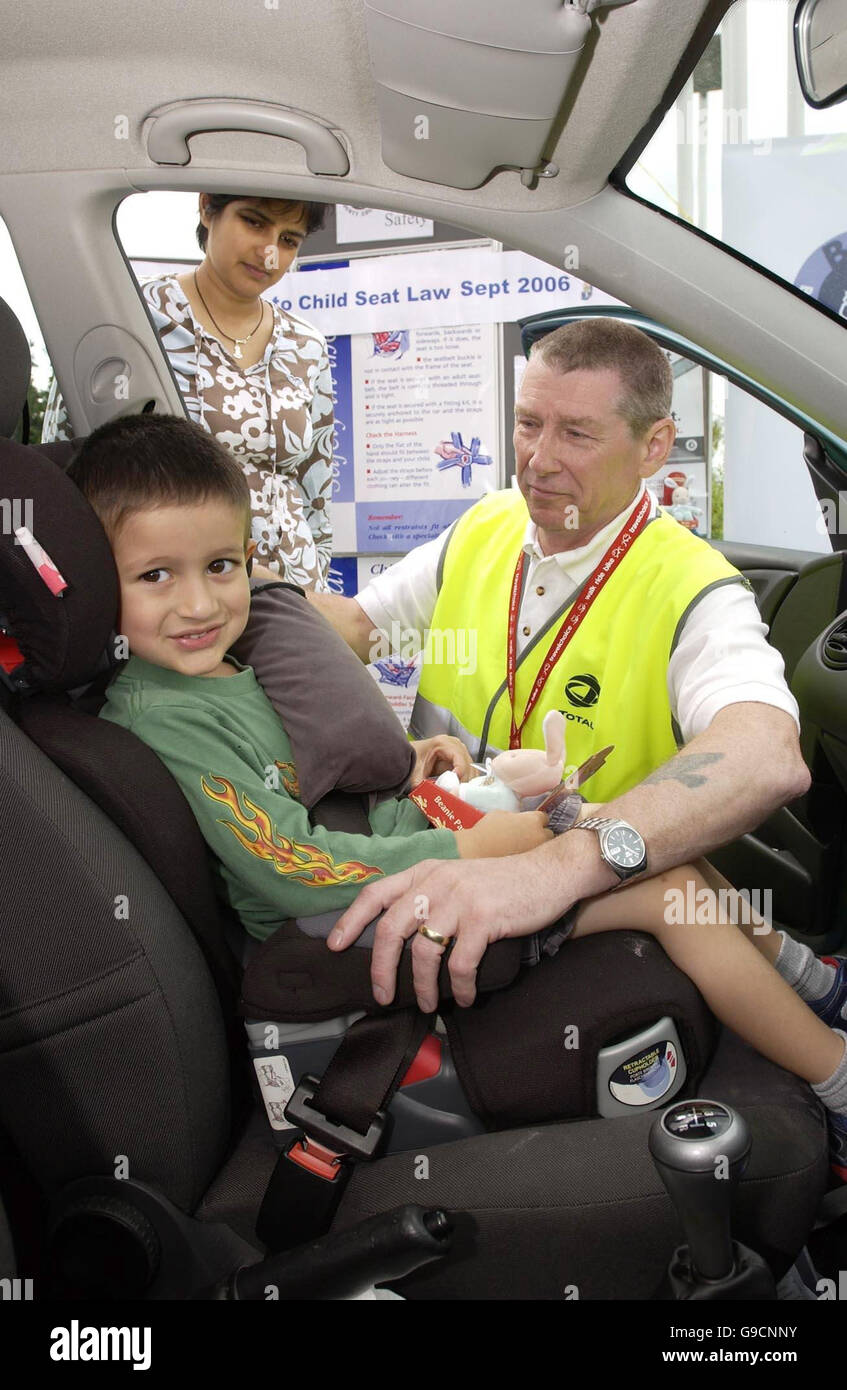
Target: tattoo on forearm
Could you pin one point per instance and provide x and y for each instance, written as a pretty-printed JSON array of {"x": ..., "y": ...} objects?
[{"x": 684, "y": 769}]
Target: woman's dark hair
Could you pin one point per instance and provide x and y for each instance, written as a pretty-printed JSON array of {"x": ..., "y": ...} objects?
[
  {"x": 137, "y": 462},
  {"x": 216, "y": 202}
]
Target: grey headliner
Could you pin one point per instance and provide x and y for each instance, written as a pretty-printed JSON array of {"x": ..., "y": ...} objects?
[{"x": 68, "y": 71}]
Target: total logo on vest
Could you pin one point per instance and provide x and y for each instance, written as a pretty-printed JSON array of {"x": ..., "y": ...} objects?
[{"x": 583, "y": 692}]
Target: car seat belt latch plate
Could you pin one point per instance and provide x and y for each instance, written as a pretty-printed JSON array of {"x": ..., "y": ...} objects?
[{"x": 338, "y": 1138}]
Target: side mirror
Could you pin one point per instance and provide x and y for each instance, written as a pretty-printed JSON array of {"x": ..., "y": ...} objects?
[{"x": 820, "y": 47}]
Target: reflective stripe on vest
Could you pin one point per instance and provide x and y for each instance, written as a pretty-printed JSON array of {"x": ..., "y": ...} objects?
[{"x": 610, "y": 682}]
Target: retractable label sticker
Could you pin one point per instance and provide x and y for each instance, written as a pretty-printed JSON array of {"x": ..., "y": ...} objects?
[{"x": 640, "y": 1071}]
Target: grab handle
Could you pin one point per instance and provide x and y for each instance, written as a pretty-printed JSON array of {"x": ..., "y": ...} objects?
[{"x": 167, "y": 140}]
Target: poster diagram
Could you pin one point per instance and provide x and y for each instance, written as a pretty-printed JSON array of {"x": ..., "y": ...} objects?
[
  {"x": 398, "y": 678},
  {"x": 425, "y": 428},
  {"x": 397, "y": 673}
]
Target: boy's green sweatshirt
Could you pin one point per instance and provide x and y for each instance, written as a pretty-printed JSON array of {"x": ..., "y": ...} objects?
[{"x": 222, "y": 740}]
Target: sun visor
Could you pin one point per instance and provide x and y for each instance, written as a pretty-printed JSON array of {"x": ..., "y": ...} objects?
[{"x": 464, "y": 88}]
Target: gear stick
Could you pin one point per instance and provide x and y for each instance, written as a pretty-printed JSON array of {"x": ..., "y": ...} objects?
[{"x": 700, "y": 1149}]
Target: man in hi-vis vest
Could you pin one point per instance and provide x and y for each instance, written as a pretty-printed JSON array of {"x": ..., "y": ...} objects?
[{"x": 576, "y": 593}]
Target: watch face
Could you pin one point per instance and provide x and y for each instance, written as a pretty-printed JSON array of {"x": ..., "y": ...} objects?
[{"x": 624, "y": 846}]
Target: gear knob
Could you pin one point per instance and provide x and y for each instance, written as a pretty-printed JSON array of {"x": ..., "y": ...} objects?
[{"x": 700, "y": 1149}]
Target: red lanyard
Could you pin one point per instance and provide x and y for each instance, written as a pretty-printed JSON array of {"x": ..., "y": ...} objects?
[{"x": 616, "y": 552}]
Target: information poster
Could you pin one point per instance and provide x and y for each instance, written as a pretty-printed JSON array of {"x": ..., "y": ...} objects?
[
  {"x": 425, "y": 430},
  {"x": 432, "y": 288},
  {"x": 350, "y": 573},
  {"x": 372, "y": 224},
  {"x": 396, "y": 673},
  {"x": 398, "y": 678}
]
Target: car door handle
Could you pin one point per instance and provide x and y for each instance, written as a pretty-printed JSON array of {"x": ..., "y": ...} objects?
[{"x": 167, "y": 138}]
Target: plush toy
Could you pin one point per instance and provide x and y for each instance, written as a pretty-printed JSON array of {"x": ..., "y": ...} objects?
[
  {"x": 682, "y": 510},
  {"x": 519, "y": 773}
]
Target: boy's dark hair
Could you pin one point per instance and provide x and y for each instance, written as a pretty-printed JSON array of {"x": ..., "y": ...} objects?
[
  {"x": 137, "y": 462},
  {"x": 216, "y": 202}
]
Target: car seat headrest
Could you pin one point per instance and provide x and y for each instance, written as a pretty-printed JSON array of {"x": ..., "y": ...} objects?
[
  {"x": 15, "y": 370},
  {"x": 64, "y": 639}
]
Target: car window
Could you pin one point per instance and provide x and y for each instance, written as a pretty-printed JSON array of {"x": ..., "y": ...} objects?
[
  {"x": 422, "y": 357},
  {"x": 740, "y": 462},
  {"x": 761, "y": 492},
  {"x": 741, "y": 156},
  {"x": 736, "y": 471}
]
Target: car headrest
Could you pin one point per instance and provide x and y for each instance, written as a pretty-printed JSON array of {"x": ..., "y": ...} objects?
[
  {"x": 64, "y": 639},
  {"x": 15, "y": 370}
]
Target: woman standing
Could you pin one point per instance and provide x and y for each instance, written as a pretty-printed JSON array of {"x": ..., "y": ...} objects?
[{"x": 254, "y": 376}]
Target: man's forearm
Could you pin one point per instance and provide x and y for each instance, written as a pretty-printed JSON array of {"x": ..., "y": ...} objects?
[{"x": 725, "y": 782}]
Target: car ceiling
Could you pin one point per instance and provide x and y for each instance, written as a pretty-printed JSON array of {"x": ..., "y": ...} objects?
[{"x": 68, "y": 69}]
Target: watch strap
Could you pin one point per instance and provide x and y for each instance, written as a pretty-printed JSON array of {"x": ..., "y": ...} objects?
[{"x": 564, "y": 814}]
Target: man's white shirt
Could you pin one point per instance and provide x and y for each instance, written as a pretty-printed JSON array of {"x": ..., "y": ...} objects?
[{"x": 721, "y": 658}]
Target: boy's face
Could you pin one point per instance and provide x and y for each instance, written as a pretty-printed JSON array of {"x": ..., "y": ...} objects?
[{"x": 185, "y": 594}]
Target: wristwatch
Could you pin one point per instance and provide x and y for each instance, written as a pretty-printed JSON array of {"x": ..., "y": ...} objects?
[{"x": 620, "y": 845}]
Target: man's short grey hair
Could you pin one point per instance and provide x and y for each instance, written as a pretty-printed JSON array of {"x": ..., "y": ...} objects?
[{"x": 600, "y": 344}]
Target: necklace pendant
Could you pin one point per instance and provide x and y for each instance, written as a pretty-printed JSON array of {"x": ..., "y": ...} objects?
[{"x": 236, "y": 352}]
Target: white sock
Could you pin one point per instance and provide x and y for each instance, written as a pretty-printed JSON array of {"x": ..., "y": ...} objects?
[
  {"x": 833, "y": 1091},
  {"x": 798, "y": 965}
]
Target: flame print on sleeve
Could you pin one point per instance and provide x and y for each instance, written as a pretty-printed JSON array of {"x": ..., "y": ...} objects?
[
  {"x": 288, "y": 777},
  {"x": 254, "y": 831}
]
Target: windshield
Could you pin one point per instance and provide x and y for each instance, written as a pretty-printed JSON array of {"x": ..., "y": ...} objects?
[{"x": 741, "y": 156}]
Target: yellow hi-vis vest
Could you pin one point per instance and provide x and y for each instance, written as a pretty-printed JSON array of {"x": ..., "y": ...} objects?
[{"x": 611, "y": 680}]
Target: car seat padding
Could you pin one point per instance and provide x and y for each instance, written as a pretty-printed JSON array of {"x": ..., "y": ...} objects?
[
  {"x": 344, "y": 734},
  {"x": 517, "y": 1055}
]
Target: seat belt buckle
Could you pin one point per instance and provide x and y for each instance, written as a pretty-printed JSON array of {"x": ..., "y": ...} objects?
[
  {"x": 337, "y": 1139},
  {"x": 315, "y": 1158}
]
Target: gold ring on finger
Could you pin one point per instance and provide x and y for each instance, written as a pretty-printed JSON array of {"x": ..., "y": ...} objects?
[{"x": 434, "y": 935}]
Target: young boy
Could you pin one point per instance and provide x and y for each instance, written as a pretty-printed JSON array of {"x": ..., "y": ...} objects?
[{"x": 176, "y": 509}]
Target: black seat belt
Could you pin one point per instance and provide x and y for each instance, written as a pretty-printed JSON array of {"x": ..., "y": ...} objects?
[{"x": 342, "y": 1116}]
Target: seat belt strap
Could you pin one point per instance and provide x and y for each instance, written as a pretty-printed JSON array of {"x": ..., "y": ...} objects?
[
  {"x": 369, "y": 1065},
  {"x": 341, "y": 1119}
]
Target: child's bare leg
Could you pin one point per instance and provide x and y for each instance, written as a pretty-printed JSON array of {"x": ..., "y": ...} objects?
[
  {"x": 755, "y": 927},
  {"x": 729, "y": 968}
]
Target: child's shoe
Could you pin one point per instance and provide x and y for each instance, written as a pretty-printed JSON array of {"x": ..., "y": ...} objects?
[{"x": 833, "y": 1007}]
